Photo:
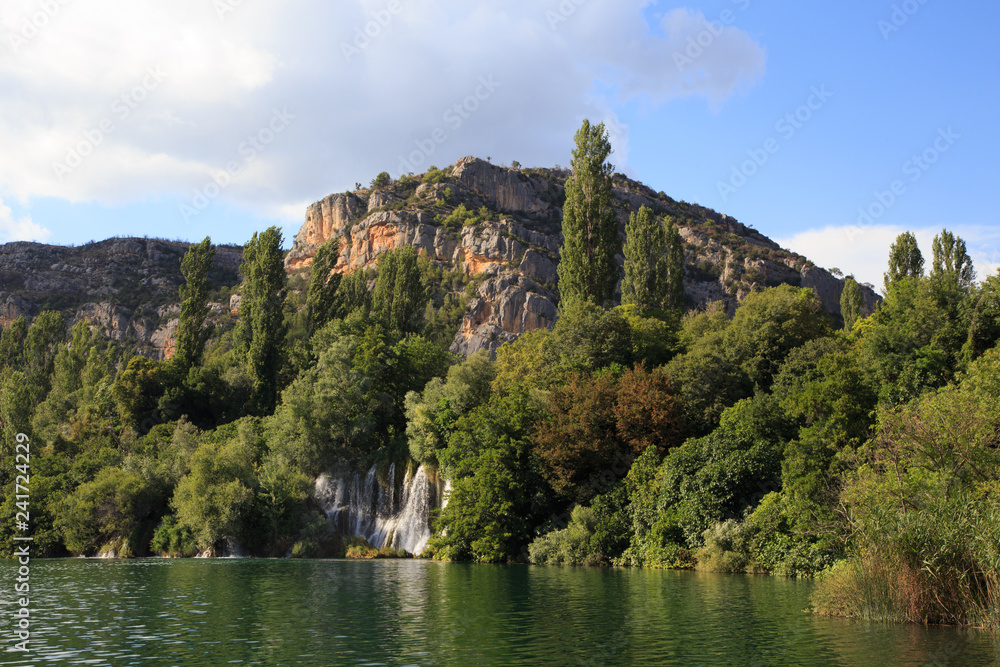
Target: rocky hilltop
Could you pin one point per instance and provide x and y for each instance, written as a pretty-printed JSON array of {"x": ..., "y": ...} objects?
[
  {"x": 495, "y": 227},
  {"x": 125, "y": 286},
  {"x": 501, "y": 226}
]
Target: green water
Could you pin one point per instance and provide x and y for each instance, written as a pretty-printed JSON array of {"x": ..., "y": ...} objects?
[{"x": 281, "y": 612}]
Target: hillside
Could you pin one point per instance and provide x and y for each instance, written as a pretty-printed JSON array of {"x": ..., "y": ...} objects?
[
  {"x": 127, "y": 286},
  {"x": 495, "y": 230},
  {"x": 501, "y": 227}
]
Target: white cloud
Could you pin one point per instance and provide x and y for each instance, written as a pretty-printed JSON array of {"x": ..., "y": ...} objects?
[
  {"x": 21, "y": 229},
  {"x": 864, "y": 252},
  {"x": 359, "y": 104}
]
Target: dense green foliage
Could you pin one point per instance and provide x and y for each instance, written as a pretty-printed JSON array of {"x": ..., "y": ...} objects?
[
  {"x": 766, "y": 440},
  {"x": 654, "y": 264},
  {"x": 321, "y": 300},
  {"x": 262, "y": 327},
  {"x": 587, "y": 267},
  {"x": 398, "y": 301},
  {"x": 191, "y": 331},
  {"x": 905, "y": 260},
  {"x": 852, "y": 302}
]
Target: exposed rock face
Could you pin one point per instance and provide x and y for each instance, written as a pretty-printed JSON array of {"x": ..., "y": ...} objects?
[
  {"x": 328, "y": 218},
  {"x": 115, "y": 284},
  {"x": 509, "y": 190},
  {"x": 516, "y": 244},
  {"x": 506, "y": 306},
  {"x": 12, "y": 307},
  {"x": 509, "y": 241}
]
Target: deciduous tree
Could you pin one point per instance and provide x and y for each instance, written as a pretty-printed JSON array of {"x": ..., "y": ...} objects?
[
  {"x": 587, "y": 267},
  {"x": 321, "y": 300},
  {"x": 852, "y": 302},
  {"x": 261, "y": 329},
  {"x": 191, "y": 330},
  {"x": 905, "y": 260}
]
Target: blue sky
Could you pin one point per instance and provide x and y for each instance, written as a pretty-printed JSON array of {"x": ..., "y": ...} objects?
[{"x": 829, "y": 126}]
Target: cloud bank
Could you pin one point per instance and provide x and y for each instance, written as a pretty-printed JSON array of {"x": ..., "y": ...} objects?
[
  {"x": 20, "y": 229},
  {"x": 865, "y": 252},
  {"x": 118, "y": 100}
]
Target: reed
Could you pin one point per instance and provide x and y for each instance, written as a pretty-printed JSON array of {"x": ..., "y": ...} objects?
[{"x": 937, "y": 566}]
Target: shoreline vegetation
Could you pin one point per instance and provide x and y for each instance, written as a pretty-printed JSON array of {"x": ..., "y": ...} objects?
[{"x": 861, "y": 450}]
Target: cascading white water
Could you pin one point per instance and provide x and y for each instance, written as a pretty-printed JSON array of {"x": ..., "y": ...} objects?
[
  {"x": 412, "y": 528},
  {"x": 387, "y": 513}
]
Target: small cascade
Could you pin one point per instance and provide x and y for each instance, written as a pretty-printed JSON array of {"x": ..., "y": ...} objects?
[{"x": 387, "y": 512}]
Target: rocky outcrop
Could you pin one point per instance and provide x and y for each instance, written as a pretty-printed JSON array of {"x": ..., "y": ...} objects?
[
  {"x": 12, "y": 307},
  {"x": 508, "y": 243},
  {"x": 122, "y": 270},
  {"x": 505, "y": 307},
  {"x": 829, "y": 290},
  {"x": 125, "y": 287},
  {"x": 327, "y": 218},
  {"x": 515, "y": 240},
  {"x": 508, "y": 190}
]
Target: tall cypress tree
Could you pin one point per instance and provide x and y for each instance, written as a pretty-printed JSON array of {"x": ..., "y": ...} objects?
[
  {"x": 654, "y": 264},
  {"x": 192, "y": 333},
  {"x": 645, "y": 262},
  {"x": 261, "y": 330},
  {"x": 905, "y": 260},
  {"x": 321, "y": 300},
  {"x": 399, "y": 293},
  {"x": 675, "y": 268},
  {"x": 952, "y": 267},
  {"x": 587, "y": 267},
  {"x": 852, "y": 302}
]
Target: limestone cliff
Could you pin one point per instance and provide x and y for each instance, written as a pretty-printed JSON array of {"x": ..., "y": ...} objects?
[
  {"x": 496, "y": 227},
  {"x": 126, "y": 287},
  {"x": 509, "y": 238}
]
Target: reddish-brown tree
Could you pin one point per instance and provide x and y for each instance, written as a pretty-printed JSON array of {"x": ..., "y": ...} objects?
[{"x": 598, "y": 425}]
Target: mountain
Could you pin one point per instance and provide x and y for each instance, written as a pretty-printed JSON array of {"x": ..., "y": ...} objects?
[
  {"x": 495, "y": 229},
  {"x": 500, "y": 228},
  {"x": 126, "y": 286}
]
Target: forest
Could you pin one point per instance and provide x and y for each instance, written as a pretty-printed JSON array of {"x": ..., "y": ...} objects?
[{"x": 862, "y": 451}]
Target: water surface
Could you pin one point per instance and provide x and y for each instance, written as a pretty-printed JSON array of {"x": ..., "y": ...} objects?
[{"x": 406, "y": 612}]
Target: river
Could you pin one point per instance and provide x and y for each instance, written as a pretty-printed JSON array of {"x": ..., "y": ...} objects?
[{"x": 411, "y": 612}]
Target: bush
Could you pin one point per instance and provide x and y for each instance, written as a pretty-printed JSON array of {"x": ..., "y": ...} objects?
[
  {"x": 940, "y": 565},
  {"x": 463, "y": 217},
  {"x": 726, "y": 549},
  {"x": 569, "y": 546},
  {"x": 435, "y": 175},
  {"x": 173, "y": 540},
  {"x": 358, "y": 547}
]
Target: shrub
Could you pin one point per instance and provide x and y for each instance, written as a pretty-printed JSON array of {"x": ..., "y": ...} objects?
[
  {"x": 569, "y": 546},
  {"x": 172, "y": 539},
  {"x": 358, "y": 547},
  {"x": 435, "y": 175},
  {"x": 726, "y": 549}
]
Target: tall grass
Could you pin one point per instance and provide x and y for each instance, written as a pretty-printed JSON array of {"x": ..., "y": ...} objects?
[{"x": 939, "y": 565}]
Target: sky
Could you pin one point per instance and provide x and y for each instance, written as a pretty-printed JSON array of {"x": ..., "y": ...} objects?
[{"x": 830, "y": 127}]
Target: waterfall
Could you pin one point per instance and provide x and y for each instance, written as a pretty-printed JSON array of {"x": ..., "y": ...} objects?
[{"x": 388, "y": 512}]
